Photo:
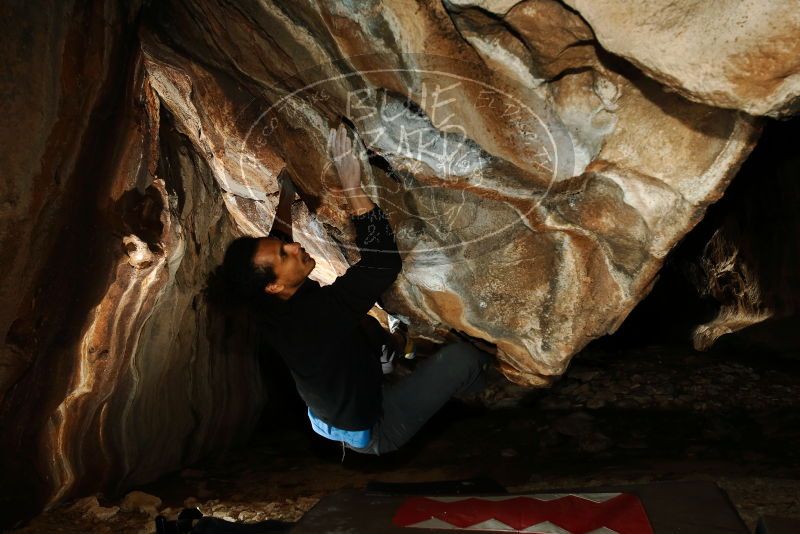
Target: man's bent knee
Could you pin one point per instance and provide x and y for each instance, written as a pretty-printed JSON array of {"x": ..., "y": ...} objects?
[{"x": 463, "y": 359}]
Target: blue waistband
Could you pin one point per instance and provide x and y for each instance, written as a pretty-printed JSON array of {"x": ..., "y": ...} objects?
[{"x": 355, "y": 438}]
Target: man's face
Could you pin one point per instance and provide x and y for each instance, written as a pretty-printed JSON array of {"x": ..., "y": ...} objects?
[{"x": 291, "y": 263}]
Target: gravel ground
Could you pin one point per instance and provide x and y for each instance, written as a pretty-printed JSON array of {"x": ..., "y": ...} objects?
[{"x": 616, "y": 417}]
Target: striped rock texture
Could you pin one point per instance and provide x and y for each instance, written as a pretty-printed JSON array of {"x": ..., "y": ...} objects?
[
  {"x": 535, "y": 181},
  {"x": 500, "y": 240}
]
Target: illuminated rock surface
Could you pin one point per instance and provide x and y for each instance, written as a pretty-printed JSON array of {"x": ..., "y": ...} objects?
[
  {"x": 742, "y": 54},
  {"x": 536, "y": 244},
  {"x": 535, "y": 183}
]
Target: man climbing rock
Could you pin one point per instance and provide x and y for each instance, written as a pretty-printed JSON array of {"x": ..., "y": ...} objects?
[{"x": 324, "y": 335}]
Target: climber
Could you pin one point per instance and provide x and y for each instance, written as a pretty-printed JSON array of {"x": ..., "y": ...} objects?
[{"x": 324, "y": 334}]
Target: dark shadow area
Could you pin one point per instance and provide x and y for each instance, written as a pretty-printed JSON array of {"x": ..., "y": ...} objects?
[
  {"x": 758, "y": 213},
  {"x": 622, "y": 416}
]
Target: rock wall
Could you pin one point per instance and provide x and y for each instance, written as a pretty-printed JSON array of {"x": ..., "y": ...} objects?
[
  {"x": 536, "y": 182},
  {"x": 741, "y": 54},
  {"x": 113, "y": 370},
  {"x": 568, "y": 176}
]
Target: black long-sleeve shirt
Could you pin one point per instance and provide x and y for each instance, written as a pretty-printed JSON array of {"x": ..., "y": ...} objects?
[{"x": 320, "y": 331}]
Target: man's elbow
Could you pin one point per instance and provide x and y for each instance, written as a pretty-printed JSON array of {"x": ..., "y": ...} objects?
[
  {"x": 391, "y": 270},
  {"x": 396, "y": 263}
]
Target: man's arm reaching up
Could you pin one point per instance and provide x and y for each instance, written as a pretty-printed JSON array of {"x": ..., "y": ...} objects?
[
  {"x": 356, "y": 291},
  {"x": 282, "y": 225}
]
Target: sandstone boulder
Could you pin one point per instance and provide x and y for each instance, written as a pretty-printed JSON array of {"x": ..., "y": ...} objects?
[
  {"x": 535, "y": 182},
  {"x": 740, "y": 54},
  {"x": 566, "y": 179}
]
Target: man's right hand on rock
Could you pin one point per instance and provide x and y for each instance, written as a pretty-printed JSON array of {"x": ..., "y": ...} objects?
[{"x": 349, "y": 170}]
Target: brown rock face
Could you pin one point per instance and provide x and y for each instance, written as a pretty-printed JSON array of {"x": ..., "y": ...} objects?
[
  {"x": 112, "y": 370},
  {"x": 741, "y": 54},
  {"x": 535, "y": 187},
  {"x": 535, "y": 184}
]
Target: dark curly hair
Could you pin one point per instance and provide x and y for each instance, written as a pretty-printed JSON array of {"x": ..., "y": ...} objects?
[{"x": 238, "y": 282}]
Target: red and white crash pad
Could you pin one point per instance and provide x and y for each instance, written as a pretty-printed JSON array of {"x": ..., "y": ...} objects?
[
  {"x": 687, "y": 507},
  {"x": 547, "y": 513}
]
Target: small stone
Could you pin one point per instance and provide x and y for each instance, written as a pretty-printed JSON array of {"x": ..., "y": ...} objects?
[
  {"x": 170, "y": 513},
  {"x": 595, "y": 403},
  {"x": 246, "y": 516},
  {"x": 569, "y": 388},
  {"x": 554, "y": 404},
  {"x": 583, "y": 389},
  {"x": 574, "y": 425},
  {"x": 584, "y": 376},
  {"x": 596, "y": 442},
  {"x": 81, "y": 505},
  {"x": 90, "y": 508},
  {"x": 139, "y": 501},
  {"x": 105, "y": 513},
  {"x": 508, "y": 402}
]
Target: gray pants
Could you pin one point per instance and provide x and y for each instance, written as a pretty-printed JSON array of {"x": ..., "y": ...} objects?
[{"x": 455, "y": 369}]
